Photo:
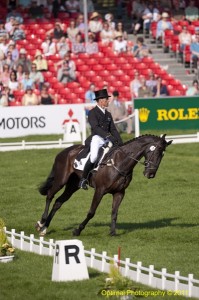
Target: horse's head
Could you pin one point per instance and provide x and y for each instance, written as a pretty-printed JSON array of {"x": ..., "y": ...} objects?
[{"x": 153, "y": 155}]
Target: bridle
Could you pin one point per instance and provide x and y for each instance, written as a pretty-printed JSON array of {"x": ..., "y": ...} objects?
[{"x": 147, "y": 163}]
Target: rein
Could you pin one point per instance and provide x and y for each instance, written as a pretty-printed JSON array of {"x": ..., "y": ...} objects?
[{"x": 146, "y": 163}]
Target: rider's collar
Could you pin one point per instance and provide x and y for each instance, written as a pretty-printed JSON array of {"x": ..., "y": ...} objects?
[{"x": 102, "y": 109}]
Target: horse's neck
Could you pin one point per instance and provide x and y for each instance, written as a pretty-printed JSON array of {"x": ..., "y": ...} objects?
[
  {"x": 127, "y": 156},
  {"x": 134, "y": 149}
]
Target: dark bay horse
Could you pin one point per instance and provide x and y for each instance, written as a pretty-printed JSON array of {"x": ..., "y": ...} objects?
[{"x": 113, "y": 177}]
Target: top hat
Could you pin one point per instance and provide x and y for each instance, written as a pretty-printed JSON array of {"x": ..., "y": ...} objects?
[{"x": 101, "y": 94}]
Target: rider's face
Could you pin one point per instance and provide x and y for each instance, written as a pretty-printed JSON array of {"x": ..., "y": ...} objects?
[{"x": 104, "y": 102}]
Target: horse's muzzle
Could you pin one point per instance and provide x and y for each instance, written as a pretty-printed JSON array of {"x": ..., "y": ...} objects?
[{"x": 149, "y": 174}]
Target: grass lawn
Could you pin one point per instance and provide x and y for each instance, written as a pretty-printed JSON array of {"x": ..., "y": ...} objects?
[
  {"x": 157, "y": 224},
  {"x": 29, "y": 277}
]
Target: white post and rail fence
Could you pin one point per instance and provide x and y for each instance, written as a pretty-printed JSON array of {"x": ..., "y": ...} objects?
[{"x": 135, "y": 271}]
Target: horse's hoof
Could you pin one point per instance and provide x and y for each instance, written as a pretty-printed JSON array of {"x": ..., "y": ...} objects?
[
  {"x": 38, "y": 226},
  {"x": 113, "y": 233},
  {"x": 43, "y": 231},
  {"x": 76, "y": 232}
]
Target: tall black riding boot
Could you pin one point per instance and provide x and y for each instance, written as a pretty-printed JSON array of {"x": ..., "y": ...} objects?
[{"x": 84, "y": 181}]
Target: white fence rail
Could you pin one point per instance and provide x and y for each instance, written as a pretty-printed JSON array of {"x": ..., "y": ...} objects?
[
  {"x": 182, "y": 139},
  {"x": 187, "y": 286},
  {"x": 23, "y": 145}
]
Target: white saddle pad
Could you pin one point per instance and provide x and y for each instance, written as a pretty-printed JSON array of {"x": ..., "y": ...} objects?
[{"x": 79, "y": 164}]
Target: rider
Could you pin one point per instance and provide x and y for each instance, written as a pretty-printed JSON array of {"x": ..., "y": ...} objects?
[{"x": 103, "y": 131}]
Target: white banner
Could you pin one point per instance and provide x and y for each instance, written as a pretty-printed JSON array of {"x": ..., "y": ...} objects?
[{"x": 42, "y": 119}]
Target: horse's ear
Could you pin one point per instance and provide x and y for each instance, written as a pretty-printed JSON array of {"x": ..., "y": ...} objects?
[
  {"x": 163, "y": 136},
  {"x": 169, "y": 142}
]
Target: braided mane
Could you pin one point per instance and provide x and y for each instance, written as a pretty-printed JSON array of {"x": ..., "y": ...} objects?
[{"x": 139, "y": 137}]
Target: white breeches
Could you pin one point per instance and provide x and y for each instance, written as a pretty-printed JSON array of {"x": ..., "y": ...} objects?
[{"x": 96, "y": 143}]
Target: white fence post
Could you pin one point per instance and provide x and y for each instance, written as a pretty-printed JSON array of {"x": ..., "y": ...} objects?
[
  {"x": 115, "y": 259},
  {"x": 164, "y": 271},
  {"x": 151, "y": 269},
  {"x": 139, "y": 265},
  {"x": 104, "y": 253},
  {"x": 31, "y": 242},
  {"x": 92, "y": 257},
  {"x": 51, "y": 247},
  {"x": 21, "y": 239},
  {"x": 190, "y": 284},
  {"x": 41, "y": 244},
  {"x": 13, "y": 237},
  {"x": 127, "y": 262},
  {"x": 177, "y": 274}
]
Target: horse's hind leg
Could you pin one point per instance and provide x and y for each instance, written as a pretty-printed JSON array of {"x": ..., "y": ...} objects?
[
  {"x": 50, "y": 195},
  {"x": 95, "y": 202},
  {"x": 70, "y": 189}
]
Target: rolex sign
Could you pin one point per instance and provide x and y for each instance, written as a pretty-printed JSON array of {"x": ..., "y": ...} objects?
[{"x": 168, "y": 113}]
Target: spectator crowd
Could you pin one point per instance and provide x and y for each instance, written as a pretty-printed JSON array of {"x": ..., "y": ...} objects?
[{"x": 20, "y": 71}]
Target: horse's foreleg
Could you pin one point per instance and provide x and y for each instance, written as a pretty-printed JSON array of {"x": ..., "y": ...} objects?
[
  {"x": 117, "y": 199},
  {"x": 69, "y": 190},
  {"x": 95, "y": 202}
]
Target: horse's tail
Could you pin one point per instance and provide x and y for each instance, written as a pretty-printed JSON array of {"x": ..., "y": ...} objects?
[{"x": 46, "y": 185}]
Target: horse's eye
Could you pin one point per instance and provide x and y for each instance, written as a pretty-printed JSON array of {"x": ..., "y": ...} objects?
[{"x": 152, "y": 148}]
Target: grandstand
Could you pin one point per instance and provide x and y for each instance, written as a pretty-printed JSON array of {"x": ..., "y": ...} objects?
[{"x": 106, "y": 67}]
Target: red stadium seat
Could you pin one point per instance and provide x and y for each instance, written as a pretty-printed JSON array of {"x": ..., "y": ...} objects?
[
  {"x": 15, "y": 103},
  {"x": 78, "y": 101},
  {"x": 83, "y": 68},
  {"x": 73, "y": 85},
  {"x": 91, "y": 61},
  {"x": 183, "y": 23},
  {"x": 64, "y": 91},
  {"x": 97, "y": 67},
  {"x": 97, "y": 79},
  {"x": 104, "y": 73},
  {"x": 47, "y": 74},
  {"x": 79, "y": 62},
  {"x": 147, "y": 60},
  {"x": 120, "y": 60},
  {"x": 89, "y": 74},
  {"x": 175, "y": 93},
  {"x": 126, "y": 66},
  {"x": 191, "y": 28},
  {"x": 117, "y": 73},
  {"x": 57, "y": 86},
  {"x": 111, "y": 67},
  {"x": 177, "y": 28},
  {"x": 62, "y": 101},
  {"x": 105, "y": 61}
]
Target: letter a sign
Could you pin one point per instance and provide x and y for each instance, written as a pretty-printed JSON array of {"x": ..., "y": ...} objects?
[
  {"x": 71, "y": 129},
  {"x": 69, "y": 261}
]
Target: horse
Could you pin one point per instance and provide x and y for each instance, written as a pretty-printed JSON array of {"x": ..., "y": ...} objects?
[{"x": 113, "y": 176}]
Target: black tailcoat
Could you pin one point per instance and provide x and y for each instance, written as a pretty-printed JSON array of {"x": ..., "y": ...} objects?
[{"x": 102, "y": 125}]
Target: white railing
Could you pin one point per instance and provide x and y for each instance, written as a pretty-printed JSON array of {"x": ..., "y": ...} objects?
[
  {"x": 182, "y": 139},
  {"x": 187, "y": 286},
  {"x": 23, "y": 145}
]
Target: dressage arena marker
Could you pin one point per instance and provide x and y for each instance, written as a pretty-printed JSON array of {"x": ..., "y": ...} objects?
[
  {"x": 72, "y": 131},
  {"x": 69, "y": 261}
]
